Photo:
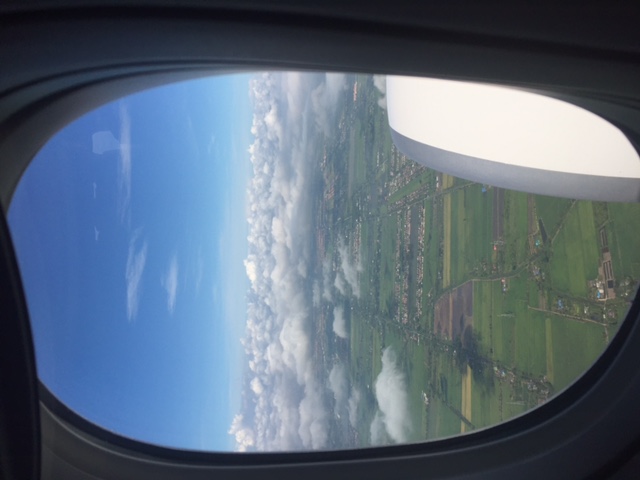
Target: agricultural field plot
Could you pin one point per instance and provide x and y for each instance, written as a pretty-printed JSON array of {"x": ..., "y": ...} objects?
[
  {"x": 575, "y": 251},
  {"x": 388, "y": 245},
  {"x": 515, "y": 251},
  {"x": 447, "y": 181},
  {"x": 470, "y": 239},
  {"x": 574, "y": 346},
  {"x": 445, "y": 389},
  {"x": 551, "y": 212},
  {"x": 442, "y": 421},
  {"x": 454, "y": 312},
  {"x": 625, "y": 225}
]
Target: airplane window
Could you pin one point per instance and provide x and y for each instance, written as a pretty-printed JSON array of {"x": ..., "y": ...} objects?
[{"x": 255, "y": 262}]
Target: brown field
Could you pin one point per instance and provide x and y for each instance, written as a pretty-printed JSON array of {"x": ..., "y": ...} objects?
[
  {"x": 447, "y": 181},
  {"x": 454, "y": 312}
]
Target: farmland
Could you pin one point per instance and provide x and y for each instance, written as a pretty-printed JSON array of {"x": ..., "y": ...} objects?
[{"x": 492, "y": 301}]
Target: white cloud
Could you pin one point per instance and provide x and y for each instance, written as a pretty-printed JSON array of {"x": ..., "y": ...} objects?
[
  {"x": 287, "y": 403},
  {"x": 325, "y": 97},
  {"x": 380, "y": 82},
  {"x": 313, "y": 429},
  {"x": 349, "y": 270},
  {"x": 96, "y": 233},
  {"x": 340, "y": 284},
  {"x": 391, "y": 394},
  {"x": 104, "y": 141},
  {"x": 170, "y": 283},
  {"x": 250, "y": 267},
  {"x": 136, "y": 261},
  {"x": 124, "y": 166},
  {"x": 377, "y": 431},
  {"x": 353, "y": 404},
  {"x": 95, "y": 190},
  {"x": 244, "y": 435},
  {"x": 339, "y": 383},
  {"x": 256, "y": 386},
  {"x": 339, "y": 323},
  {"x": 327, "y": 292}
]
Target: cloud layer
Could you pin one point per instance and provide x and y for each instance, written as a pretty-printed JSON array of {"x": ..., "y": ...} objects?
[{"x": 285, "y": 400}]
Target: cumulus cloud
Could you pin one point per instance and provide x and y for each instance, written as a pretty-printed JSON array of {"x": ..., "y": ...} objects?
[
  {"x": 392, "y": 398},
  {"x": 170, "y": 283},
  {"x": 353, "y": 405},
  {"x": 313, "y": 429},
  {"x": 339, "y": 383},
  {"x": 136, "y": 261},
  {"x": 325, "y": 97},
  {"x": 377, "y": 431},
  {"x": 124, "y": 166},
  {"x": 339, "y": 323},
  {"x": 250, "y": 267},
  {"x": 256, "y": 386},
  {"x": 380, "y": 82},
  {"x": 244, "y": 435}
]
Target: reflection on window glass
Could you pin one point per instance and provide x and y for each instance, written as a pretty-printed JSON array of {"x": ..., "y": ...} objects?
[{"x": 249, "y": 263}]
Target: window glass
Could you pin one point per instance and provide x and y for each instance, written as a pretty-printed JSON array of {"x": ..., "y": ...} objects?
[{"x": 250, "y": 263}]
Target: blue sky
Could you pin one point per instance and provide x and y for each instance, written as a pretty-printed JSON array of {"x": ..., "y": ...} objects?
[
  {"x": 132, "y": 261},
  {"x": 158, "y": 231}
]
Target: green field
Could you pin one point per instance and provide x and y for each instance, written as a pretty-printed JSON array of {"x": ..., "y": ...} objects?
[
  {"x": 575, "y": 251},
  {"x": 515, "y": 231},
  {"x": 471, "y": 235},
  {"x": 551, "y": 211},
  {"x": 574, "y": 347},
  {"x": 625, "y": 223},
  {"x": 535, "y": 325}
]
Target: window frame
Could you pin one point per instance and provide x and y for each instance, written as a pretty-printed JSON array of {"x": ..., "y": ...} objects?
[{"x": 53, "y": 78}]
